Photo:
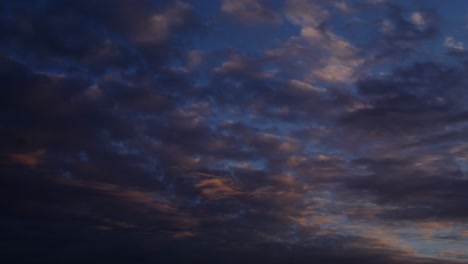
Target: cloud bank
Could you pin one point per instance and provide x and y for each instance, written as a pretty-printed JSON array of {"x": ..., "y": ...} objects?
[{"x": 233, "y": 131}]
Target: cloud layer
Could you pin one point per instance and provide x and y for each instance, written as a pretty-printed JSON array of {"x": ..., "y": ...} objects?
[{"x": 235, "y": 131}]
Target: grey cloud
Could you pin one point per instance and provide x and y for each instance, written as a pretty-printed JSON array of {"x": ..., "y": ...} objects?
[
  {"x": 122, "y": 142},
  {"x": 256, "y": 11}
]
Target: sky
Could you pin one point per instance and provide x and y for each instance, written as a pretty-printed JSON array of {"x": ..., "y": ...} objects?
[{"x": 234, "y": 131}]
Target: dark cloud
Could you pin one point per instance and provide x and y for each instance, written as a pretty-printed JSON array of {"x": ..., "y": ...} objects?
[
  {"x": 250, "y": 11},
  {"x": 132, "y": 133},
  {"x": 409, "y": 100}
]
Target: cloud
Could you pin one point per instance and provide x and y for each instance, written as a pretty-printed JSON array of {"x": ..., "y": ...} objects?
[
  {"x": 250, "y": 11},
  {"x": 305, "y": 13},
  {"x": 216, "y": 187},
  {"x": 135, "y": 133},
  {"x": 453, "y": 45},
  {"x": 31, "y": 159},
  {"x": 157, "y": 28},
  {"x": 327, "y": 57},
  {"x": 405, "y": 105}
]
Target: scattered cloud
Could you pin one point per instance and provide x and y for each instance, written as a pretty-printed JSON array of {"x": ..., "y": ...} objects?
[{"x": 160, "y": 130}]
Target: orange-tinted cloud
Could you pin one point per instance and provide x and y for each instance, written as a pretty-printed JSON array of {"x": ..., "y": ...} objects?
[{"x": 29, "y": 159}]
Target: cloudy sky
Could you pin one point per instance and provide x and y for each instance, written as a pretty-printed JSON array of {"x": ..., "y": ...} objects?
[{"x": 234, "y": 131}]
